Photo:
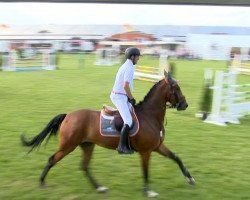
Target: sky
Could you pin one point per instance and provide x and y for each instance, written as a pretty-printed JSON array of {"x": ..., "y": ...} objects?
[{"x": 133, "y": 14}]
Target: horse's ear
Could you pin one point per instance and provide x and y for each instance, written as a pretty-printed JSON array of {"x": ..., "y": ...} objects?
[
  {"x": 166, "y": 75},
  {"x": 168, "y": 78}
]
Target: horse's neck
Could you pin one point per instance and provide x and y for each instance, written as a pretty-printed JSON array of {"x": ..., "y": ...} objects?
[{"x": 156, "y": 105}]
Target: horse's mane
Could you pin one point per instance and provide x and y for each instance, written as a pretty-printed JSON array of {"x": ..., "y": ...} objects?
[{"x": 149, "y": 94}]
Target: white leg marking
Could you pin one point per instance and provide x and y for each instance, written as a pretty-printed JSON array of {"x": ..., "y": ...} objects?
[
  {"x": 102, "y": 189},
  {"x": 152, "y": 194}
]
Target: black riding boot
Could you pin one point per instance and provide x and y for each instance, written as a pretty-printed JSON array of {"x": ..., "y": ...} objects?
[{"x": 123, "y": 147}]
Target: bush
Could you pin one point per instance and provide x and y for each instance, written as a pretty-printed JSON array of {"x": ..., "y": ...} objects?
[
  {"x": 206, "y": 101},
  {"x": 172, "y": 69}
]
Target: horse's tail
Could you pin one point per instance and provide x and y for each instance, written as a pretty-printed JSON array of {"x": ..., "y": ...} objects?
[{"x": 50, "y": 129}]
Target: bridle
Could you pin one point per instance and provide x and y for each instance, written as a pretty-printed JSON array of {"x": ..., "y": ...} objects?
[{"x": 178, "y": 100}]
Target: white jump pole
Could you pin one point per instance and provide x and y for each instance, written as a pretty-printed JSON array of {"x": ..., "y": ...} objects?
[
  {"x": 52, "y": 61},
  {"x": 163, "y": 62},
  {"x": 9, "y": 62},
  {"x": 215, "y": 116},
  {"x": 230, "y": 98}
]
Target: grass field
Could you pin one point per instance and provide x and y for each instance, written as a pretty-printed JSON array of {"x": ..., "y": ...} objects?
[{"x": 217, "y": 157}]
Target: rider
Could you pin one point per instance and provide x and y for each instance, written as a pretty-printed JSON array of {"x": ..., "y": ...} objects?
[{"x": 122, "y": 97}]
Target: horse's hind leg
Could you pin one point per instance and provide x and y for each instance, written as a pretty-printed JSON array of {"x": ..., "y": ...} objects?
[
  {"x": 52, "y": 161},
  {"x": 163, "y": 150},
  {"x": 88, "y": 148}
]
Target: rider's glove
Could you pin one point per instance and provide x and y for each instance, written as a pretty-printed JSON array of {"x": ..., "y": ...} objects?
[{"x": 132, "y": 101}]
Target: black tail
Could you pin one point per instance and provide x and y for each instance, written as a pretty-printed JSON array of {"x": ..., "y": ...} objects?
[{"x": 50, "y": 129}]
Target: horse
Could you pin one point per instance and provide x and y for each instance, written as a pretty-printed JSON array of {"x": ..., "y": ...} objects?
[{"x": 81, "y": 128}]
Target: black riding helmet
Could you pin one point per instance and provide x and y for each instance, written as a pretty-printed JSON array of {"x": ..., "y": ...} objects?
[{"x": 132, "y": 51}]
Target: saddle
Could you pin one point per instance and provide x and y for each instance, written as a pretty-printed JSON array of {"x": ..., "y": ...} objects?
[
  {"x": 115, "y": 115},
  {"x": 111, "y": 122},
  {"x": 110, "y": 111}
]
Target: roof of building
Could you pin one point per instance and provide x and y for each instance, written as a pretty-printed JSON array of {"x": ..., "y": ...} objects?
[{"x": 103, "y": 31}]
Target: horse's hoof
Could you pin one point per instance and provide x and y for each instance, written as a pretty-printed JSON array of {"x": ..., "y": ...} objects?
[
  {"x": 151, "y": 194},
  {"x": 42, "y": 185},
  {"x": 190, "y": 180},
  {"x": 102, "y": 189}
]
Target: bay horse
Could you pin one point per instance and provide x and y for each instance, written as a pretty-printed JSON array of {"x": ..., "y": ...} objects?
[{"x": 81, "y": 128}]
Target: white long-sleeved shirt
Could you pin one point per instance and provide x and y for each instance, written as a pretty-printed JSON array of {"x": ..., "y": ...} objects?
[{"x": 124, "y": 74}]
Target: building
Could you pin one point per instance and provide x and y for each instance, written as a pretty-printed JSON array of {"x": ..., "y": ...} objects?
[{"x": 217, "y": 46}]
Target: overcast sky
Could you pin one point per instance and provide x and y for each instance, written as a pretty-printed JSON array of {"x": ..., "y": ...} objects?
[{"x": 134, "y": 14}]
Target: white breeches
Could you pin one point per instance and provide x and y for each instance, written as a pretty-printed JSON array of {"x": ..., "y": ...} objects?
[{"x": 123, "y": 106}]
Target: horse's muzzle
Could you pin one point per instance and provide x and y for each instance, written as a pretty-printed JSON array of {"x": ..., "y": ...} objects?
[{"x": 182, "y": 106}]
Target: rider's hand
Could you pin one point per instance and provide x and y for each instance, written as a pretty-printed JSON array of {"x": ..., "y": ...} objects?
[{"x": 132, "y": 101}]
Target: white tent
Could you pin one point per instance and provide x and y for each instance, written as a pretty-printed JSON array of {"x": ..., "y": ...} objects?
[{"x": 216, "y": 46}]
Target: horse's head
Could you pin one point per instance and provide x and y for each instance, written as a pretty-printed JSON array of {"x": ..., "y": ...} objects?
[{"x": 175, "y": 96}]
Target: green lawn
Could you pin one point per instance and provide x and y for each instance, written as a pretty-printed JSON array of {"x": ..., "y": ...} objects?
[{"x": 217, "y": 157}]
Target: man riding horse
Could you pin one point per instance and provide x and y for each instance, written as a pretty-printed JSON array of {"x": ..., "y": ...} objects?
[
  {"x": 122, "y": 97},
  {"x": 82, "y": 127}
]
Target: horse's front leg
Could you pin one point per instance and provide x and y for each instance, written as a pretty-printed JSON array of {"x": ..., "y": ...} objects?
[
  {"x": 163, "y": 150},
  {"x": 144, "y": 163}
]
